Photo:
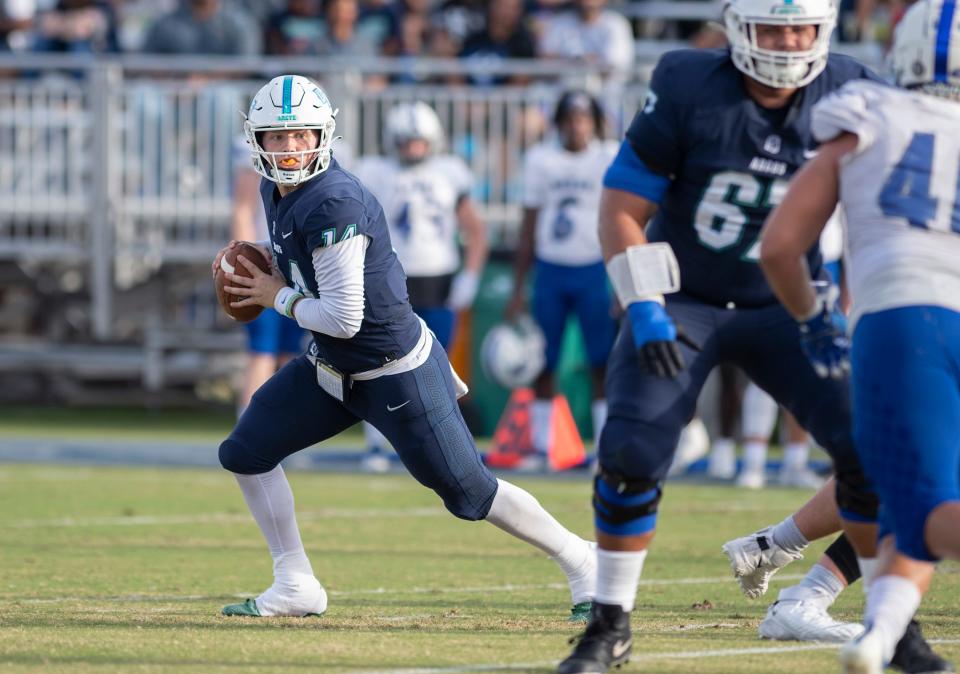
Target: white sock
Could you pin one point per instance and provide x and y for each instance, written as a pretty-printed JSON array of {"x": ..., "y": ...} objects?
[
  {"x": 521, "y": 515},
  {"x": 891, "y": 603},
  {"x": 819, "y": 586},
  {"x": 598, "y": 412},
  {"x": 723, "y": 446},
  {"x": 795, "y": 456},
  {"x": 759, "y": 413},
  {"x": 868, "y": 569},
  {"x": 541, "y": 414},
  {"x": 375, "y": 439},
  {"x": 270, "y": 501},
  {"x": 618, "y": 574},
  {"x": 754, "y": 457},
  {"x": 788, "y": 536}
]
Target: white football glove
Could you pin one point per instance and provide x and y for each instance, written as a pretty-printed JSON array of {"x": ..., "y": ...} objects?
[{"x": 463, "y": 290}]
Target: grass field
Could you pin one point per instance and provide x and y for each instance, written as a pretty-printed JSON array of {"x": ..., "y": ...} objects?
[{"x": 125, "y": 570}]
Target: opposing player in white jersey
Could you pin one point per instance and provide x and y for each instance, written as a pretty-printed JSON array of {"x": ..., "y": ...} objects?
[
  {"x": 562, "y": 183},
  {"x": 892, "y": 158},
  {"x": 425, "y": 194}
]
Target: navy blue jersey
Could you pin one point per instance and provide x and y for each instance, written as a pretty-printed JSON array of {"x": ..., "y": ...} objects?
[
  {"x": 729, "y": 161},
  {"x": 324, "y": 211}
]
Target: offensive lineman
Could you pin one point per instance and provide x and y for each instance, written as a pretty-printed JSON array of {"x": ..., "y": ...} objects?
[
  {"x": 371, "y": 358},
  {"x": 892, "y": 158},
  {"x": 707, "y": 158}
]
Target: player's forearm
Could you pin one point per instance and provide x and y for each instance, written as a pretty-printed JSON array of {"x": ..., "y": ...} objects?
[
  {"x": 476, "y": 244},
  {"x": 789, "y": 278},
  {"x": 622, "y": 219},
  {"x": 523, "y": 259}
]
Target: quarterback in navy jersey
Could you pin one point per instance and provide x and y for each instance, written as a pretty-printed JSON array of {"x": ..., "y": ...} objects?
[
  {"x": 704, "y": 161},
  {"x": 371, "y": 358}
]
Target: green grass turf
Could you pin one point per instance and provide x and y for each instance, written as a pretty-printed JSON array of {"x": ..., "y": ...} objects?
[{"x": 125, "y": 570}]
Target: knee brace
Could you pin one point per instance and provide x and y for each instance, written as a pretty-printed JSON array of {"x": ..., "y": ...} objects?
[
  {"x": 623, "y": 506},
  {"x": 856, "y": 501},
  {"x": 235, "y": 457}
]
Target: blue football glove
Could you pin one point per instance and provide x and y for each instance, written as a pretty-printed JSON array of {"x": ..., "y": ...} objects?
[
  {"x": 823, "y": 338},
  {"x": 656, "y": 335}
]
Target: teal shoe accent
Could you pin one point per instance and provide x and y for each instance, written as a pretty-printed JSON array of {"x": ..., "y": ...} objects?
[
  {"x": 247, "y": 608},
  {"x": 580, "y": 613}
]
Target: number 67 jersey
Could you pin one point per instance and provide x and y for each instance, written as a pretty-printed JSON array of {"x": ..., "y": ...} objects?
[
  {"x": 900, "y": 188},
  {"x": 729, "y": 161}
]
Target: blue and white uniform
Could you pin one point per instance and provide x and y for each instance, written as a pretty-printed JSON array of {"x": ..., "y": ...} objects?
[
  {"x": 569, "y": 277},
  {"x": 899, "y": 190}
]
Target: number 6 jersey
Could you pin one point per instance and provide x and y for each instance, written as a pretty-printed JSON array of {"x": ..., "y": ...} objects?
[
  {"x": 729, "y": 161},
  {"x": 565, "y": 188},
  {"x": 900, "y": 188}
]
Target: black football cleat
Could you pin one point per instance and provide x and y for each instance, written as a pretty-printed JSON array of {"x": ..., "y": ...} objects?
[
  {"x": 915, "y": 656},
  {"x": 606, "y": 642}
]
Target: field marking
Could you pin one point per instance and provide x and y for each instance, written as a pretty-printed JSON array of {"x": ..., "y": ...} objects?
[
  {"x": 221, "y": 518},
  {"x": 636, "y": 658},
  {"x": 512, "y": 587}
]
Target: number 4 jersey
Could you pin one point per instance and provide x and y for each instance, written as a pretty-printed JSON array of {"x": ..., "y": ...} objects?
[
  {"x": 564, "y": 187},
  {"x": 729, "y": 161},
  {"x": 901, "y": 191}
]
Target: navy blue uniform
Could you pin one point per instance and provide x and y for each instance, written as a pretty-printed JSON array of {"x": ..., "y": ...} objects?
[
  {"x": 722, "y": 163},
  {"x": 415, "y": 410}
]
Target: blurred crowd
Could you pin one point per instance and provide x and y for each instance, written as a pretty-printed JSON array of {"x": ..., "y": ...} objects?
[{"x": 595, "y": 31}]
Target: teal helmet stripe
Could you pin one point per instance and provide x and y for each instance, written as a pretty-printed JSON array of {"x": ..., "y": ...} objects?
[{"x": 287, "y": 95}]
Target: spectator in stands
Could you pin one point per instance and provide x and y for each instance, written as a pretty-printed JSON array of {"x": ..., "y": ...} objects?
[
  {"x": 77, "y": 26},
  {"x": 16, "y": 22},
  {"x": 505, "y": 36},
  {"x": 297, "y": 30},
  {"x": 463, "y": 17},
  {"x": 343, "y": 35},
  {"x": 204, "y": 27},
  {"x": 593, "y": 34}
]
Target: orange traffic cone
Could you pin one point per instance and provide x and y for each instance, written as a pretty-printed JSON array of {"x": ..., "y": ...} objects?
[
  {"x": 566, "y": 446},
  {"x": 512, "y": 440}
]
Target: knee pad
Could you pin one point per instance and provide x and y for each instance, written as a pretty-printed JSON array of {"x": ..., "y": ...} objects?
[
  {"x": 856, "y": 500},
  {"x": 471, "y": 498},
  {"x": 624, "y": 506},
  {"x": 235, "y": 457}
]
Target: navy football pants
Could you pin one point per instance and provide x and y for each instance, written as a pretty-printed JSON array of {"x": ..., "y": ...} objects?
[
  {"x": 647, "y": 413},
  {"x": 416, "y": 411}
]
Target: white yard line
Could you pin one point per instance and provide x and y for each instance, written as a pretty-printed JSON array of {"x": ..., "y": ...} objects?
[
  {"x": 133, "y": 598},
  {"x": 636, "y": 658}
]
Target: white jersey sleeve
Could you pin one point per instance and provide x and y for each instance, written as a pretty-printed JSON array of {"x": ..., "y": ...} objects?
[
  {"x": 534, "y": 189},
  {"x": 899, "y": 193}
]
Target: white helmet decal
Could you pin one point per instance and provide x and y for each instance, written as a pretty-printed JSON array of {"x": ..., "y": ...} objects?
[
  {"x": 779, "y": 69},
  {"x": 290, "y": 102},
  {"x": 512, "y": 355},
  {"x": 926, "y": 46}
]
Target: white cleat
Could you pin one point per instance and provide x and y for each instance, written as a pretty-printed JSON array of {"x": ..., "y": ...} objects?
[
  {"x": 693, "y": 445},
  {"x": 863, "y": 655},
  {"x": 722, "y": 462},
  {"x": 798, "y": 620},
  {"x": 299, "y": 595},
  {"x": 803, "y": 478},
  {"x": 752, "y": 479},
  {"x": 755, "y": 558}
]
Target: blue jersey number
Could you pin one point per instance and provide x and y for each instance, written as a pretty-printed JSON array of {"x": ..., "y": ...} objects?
[
  {"x": 563, "y": 223},
  {"x": 906, "y": 194},
  {"x": 721, "y": 218}
]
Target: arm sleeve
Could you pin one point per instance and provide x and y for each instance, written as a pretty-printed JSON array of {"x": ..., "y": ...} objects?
[
  {"x": 629, "y": 173},
  {"x": 338, "y": 311},
  {"x": 847, "y": 110},
  {"x": 656, "y": 132},
  {"x": 533, "y": 187},
  {"x": 333, "y": 221}
]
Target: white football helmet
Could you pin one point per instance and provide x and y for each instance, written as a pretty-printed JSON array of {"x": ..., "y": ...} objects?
[
  {"x": 409, "y": 121},
  {"x": 290, "y": 102},
  {"x": 926, "y": 46},
  {"x": 779, "y": 69},
  {"x": 512, "y": 354}
]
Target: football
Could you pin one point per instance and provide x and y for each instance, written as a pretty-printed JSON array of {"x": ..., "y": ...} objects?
[{"x": 229, "y": 264}]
